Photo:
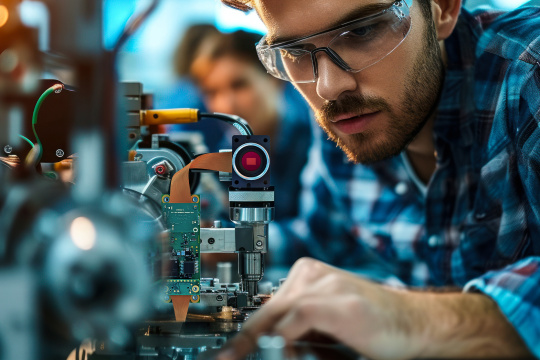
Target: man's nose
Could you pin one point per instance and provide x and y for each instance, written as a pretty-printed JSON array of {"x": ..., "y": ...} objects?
[{"x": 332, "y": 80}]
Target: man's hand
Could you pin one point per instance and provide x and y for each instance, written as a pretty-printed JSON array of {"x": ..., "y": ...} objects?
[{"x": 378, "y": 321}]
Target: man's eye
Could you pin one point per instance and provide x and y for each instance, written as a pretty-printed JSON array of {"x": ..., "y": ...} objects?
[{"x": 363, "y": 31}]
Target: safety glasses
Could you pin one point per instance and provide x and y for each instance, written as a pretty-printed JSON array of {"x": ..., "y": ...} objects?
[{"x": 352, "y": 46}]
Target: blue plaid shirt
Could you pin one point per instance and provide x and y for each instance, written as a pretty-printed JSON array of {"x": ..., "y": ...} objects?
[{"x": 477, "y": 223}]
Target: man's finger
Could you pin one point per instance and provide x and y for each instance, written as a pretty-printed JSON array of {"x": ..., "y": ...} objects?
[
  {"x": 304, "y": 272},
  {"x": 259, "y": 323},
  {"x": 306, "y": 316}
]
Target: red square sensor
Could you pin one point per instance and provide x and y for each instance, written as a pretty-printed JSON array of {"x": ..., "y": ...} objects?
[{"x": 251, "y": 161}]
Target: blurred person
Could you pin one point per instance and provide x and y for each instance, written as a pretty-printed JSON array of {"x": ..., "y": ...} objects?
[
  {"x": 184, "y": 93},
  {"x": 233, "y": 81}
]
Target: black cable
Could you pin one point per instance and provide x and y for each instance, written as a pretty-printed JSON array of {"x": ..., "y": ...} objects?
[
  {"x": 132, "y": 26},
  {"x": 240, "y": 124}
]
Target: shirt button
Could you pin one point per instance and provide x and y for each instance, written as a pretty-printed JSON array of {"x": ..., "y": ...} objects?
[
  {"x": 434, "y": 240},
  {"x": 401, "y": 188}
]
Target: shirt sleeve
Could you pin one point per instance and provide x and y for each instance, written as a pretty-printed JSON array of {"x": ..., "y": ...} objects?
[{"x": 516, "y": 291}]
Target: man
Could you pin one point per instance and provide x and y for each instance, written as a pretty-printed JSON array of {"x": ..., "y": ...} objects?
[{"x": 441, "y": 109}]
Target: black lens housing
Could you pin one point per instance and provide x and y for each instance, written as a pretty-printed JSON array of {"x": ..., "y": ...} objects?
[{"x": 254, "y": 178}]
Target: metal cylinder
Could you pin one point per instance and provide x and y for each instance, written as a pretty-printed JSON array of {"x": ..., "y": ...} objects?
[
  {"x": 245, "y": 215},
  {"x": 251, "y": 270},
  {"x": 224, "y": 272}
]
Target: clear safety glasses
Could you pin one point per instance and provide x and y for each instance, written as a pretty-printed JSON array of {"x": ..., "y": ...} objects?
[{"x": 352, "y": 46}]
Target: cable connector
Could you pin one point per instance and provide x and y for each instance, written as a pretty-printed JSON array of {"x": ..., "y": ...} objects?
[{"x": 169, "y": 116}]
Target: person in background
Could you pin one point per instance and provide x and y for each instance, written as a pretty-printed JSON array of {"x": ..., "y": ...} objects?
[
  {"x": 233, "y": 81},
  {"x": 184, "y": 93}
]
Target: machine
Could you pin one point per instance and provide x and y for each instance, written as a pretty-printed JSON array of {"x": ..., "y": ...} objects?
[{"x": 93, "y": 244}]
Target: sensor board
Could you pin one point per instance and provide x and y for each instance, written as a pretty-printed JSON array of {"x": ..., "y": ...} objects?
[{"x": 184, "y": 257}]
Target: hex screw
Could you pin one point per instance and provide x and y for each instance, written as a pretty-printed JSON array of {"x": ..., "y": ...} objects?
[
  {"x": 211, "y": 241},
  {"x": 8, "y": 149},
  {"x": 59, "y": 152},
  {"x": 259, "y": 243}
]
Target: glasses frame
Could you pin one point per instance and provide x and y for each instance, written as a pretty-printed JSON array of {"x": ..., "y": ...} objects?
[{"x": 262, "y": 46}]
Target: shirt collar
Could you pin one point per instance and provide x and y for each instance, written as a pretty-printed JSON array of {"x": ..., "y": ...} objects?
[{"x": 456, "y": 107}]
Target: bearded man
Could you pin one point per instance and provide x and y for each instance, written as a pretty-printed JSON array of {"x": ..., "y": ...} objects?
[{"x": 438, "y": 112}]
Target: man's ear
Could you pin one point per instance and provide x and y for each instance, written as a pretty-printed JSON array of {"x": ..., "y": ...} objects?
[{"x": 445, "y": 16}]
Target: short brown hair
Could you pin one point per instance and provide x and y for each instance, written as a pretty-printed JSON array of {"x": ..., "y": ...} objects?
[
  {"x": 239, "y": 45},
  {"x": 189, "y": 45}
]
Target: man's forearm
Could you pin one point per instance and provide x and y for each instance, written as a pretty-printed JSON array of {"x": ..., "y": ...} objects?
[{"x": 464, "y": 325}]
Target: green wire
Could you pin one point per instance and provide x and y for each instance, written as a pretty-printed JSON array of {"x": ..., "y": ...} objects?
[
  {"x": 27, "y": 140},
  {"x": 43, "y": 96}
]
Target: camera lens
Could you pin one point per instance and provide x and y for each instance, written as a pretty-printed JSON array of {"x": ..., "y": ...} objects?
[{"x": 251, "y": 161}]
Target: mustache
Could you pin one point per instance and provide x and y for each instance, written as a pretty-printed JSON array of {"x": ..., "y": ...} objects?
[{"x": 351, "y": 104}]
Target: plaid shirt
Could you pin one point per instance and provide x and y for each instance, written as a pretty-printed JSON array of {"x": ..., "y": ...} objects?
[{"x": 477, "y": 224}]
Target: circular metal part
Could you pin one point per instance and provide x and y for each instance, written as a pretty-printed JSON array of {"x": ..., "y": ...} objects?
[
  {"x": 8, "y": 149},
  {"x": 259, "y": 243},
  {"x": 160, "y": 170},
  {"x": 211, "y": 241},
  {"x": 138, "y": 157},
  {"x": 248, "y": 166},
  {"x": 92, "y": 271},
  {"x": 59, "y": 153},
  {"x": 252, "y": 215}
]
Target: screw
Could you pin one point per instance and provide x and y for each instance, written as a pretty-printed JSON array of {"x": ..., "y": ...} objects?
[
  {"x": 194, "y": 297},
  {"x": 259, "y": 243},
  {"x": 138, "y": 157},
  {"x": 160, "y": 170},
  {"x": 59, "y": 152},
  {"x": 8, "y": 149},
  {"x": 219, "y": 298},
  {"x": 195, "y": 199},
  {"x": 211, "y": 241}
]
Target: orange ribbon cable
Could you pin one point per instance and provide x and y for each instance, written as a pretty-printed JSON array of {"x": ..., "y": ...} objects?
[
  {"x": 180, "y": 193},
  {"x": 180, "y": 187}
]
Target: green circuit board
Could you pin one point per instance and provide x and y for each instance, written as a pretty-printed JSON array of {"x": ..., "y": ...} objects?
[{"x": 184, "y": 223}]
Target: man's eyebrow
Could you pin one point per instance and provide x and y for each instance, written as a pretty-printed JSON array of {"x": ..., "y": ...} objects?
[{"x": 358, "y": 13}]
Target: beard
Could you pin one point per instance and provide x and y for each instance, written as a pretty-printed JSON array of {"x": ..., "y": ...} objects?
[{"x": 420, "y": 98}]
